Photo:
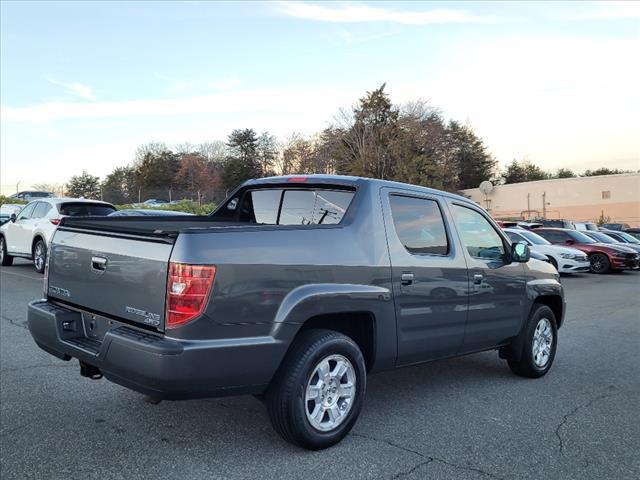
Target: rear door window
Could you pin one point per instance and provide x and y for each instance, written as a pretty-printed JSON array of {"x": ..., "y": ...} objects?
[
  {"x": 419, "y": 225},
  {"x": 78, "y": 209},
  {"x": 42, "y": 208}
]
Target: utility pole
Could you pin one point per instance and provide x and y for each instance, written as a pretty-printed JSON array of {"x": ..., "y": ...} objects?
[
  {"x": 17, "y": 187},
  {"x": 544, "y": 205}
]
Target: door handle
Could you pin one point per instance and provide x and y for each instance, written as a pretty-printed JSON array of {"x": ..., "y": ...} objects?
[
  {"x": 477, "y": 278},
  {"x": 406, "y": 278},
  {"x": 98, "y": 263}
]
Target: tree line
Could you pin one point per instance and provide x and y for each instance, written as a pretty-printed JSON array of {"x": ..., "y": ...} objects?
[{"x": 410, "y": 143}]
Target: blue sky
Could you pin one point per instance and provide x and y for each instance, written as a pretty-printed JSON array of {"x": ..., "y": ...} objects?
[{"x": 84, "y": 84}]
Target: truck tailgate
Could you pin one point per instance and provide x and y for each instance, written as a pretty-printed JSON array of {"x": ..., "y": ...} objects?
[{"x": 110, "y": 275}]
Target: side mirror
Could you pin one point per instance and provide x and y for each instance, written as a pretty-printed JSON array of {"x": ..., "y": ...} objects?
[
  {"x": 13, "y": 217},
  {"x": 520, "y": 252},
  {"x": 569, "y": 242}
]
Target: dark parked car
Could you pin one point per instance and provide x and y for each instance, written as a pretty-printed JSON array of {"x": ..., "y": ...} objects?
[
  {"x": 603, "y": 257},
  {"x": 556, "y": 223},
  {"x": 622, "y": 237},
  {"x": 634, "y": 232},
  {"x": 295, "y": 289},
  {"x": 615, "y": 226},
  {"x": 27, "y": 196},
  {"x": 609, "y": 238}
]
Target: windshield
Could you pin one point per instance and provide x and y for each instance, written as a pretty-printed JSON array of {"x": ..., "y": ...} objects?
[
  {"x": 580, "y": 237},
  {"x": 601, "y": 237},
  {"x": 534, "y": 238},
  {"x": 627, "y": 237}
]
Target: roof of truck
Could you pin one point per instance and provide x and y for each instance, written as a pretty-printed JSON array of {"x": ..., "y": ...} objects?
[{"x": 352, "y": 181}]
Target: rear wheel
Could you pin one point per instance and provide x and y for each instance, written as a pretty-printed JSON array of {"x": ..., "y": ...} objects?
[
  {"x": 317, "y": 394},
  {"x": 6, "y": 260},
  {"x": 536, "y": 344},
  {"x": 39, "y": 255},
  {"x": 599, "y": 263}
]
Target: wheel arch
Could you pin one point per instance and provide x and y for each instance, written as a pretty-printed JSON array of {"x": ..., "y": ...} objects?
[
  {"x": 555, "y": 303},
  {"x": 36, "y": 237},
  {"x": 365, "y": 313}
]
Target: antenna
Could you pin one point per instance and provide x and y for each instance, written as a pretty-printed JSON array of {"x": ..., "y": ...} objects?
[{"x": 486, "y": 188}]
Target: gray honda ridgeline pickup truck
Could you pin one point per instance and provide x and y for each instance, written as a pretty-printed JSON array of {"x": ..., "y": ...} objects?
[{"x": 294, "y": 290}]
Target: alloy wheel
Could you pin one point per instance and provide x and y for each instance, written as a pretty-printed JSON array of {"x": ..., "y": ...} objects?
[
  {"x": 330, "y": 392},
  {"x": 542, "y": 343},
  {"x": 39, "y": 256}
]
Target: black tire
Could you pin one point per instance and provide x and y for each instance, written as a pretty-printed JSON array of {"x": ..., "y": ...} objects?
[
  {"x": 553, "y": 262},
  {"x": 286, "y": 396},
  {"x": 522, "y": 357},
  {"x": 6, "y": 260},
  {"x": 599, "y": 263},
  {"x": 39, "y": 255}
]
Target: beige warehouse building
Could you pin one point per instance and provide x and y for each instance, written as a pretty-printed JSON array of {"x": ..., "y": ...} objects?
[{"x": 579, "y": 199}]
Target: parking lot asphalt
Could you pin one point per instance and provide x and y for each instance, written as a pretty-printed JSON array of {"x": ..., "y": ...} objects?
[{"x": 465, "y": 418}]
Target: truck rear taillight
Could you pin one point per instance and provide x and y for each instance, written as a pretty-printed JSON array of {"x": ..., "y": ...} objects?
[{"x": 188, "y": 288}]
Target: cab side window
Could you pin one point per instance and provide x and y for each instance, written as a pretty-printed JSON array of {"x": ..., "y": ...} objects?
[
  {"x": 419, "y": 225},
  {"x": 478, "y": 235},
  {"x": 26, "y": 212}
]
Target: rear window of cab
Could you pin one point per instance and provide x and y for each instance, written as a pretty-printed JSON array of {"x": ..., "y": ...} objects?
[{"x": 291, "y": 206}]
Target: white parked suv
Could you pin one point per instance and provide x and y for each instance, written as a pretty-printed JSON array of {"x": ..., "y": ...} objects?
[
  {"x": 565, "y": 259},
  {"x": 29, "y": 232}
]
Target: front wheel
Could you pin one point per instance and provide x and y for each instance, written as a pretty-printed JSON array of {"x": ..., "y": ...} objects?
[
  {"x": 6, "y": 260},
  {"x": 599, "y": 263},
  {"x": 536, "y": 344},
  {"x": 316, "y": 396},
  {"x": 39, "y": 255}
]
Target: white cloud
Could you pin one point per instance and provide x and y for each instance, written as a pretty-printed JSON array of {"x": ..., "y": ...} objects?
[
  {"x": 359, "y": 13},
  {"x": 76, "y": 89},
  {"x": 225, "y": 83},
  {"x": 311, "y": 100}
]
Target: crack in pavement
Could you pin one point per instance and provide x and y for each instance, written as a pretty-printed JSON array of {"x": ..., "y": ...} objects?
[
  {"x": 17, "y": 323},
  {"x": 428, "y": 459},
  {"x": 411, "y": 470},
  {"x": 566, "y": 417}
]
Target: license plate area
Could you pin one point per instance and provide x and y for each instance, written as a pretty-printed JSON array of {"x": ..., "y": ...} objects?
[{"x": 95, "y": 326}]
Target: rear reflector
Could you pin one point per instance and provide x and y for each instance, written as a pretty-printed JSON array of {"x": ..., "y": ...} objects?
[
  {"x": 188, "y": 288},
  {"x": 297, "y": 179},
  {"x": 55, "y": 221}
]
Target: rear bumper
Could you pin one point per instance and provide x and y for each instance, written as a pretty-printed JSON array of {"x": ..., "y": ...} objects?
[{"x": 155, "y": 365}]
